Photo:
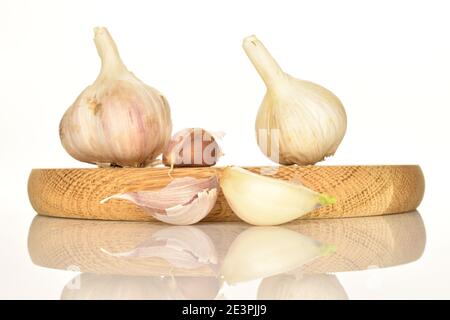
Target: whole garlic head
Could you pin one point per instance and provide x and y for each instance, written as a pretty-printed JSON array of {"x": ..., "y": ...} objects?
[
  {"x": 118, "y": 120},
  {"x": 299, "y": 122}
]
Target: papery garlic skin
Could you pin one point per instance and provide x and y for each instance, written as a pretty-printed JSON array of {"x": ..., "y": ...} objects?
[
  {"x": 262, "y": 200},
  {"x": 118, "y": 120},
  {"x": 183, "y": 201},
  {"x": 192, "y": 147},
  {"x": 305, "y": 121}
]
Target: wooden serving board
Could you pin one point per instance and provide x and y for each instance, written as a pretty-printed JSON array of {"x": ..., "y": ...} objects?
[{"x": 359, "y": 190}]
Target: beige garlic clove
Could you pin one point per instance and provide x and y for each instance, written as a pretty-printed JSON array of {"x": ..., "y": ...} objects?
[
  {"x": 118, "y": 120},
  {"x": 262, "y": 200},
  {"x": 260, "y": 252},
  {"x": 183, "y": 201},
  {"x": 192, "y": 147},
  {"x": 184, "y": 247},
  {"x": 299, "y": 122}
]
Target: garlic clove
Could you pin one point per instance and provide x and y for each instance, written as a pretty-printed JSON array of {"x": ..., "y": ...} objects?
[
  {"x": 183, "y": 201},
  {"x": 260, "y": 252},
  {"x": 184, "y": 247},
  {"x": 262, "y": 200},
  {"x": 192, "y": 147},
  {"x": 298, "y": 122},
  {"x": 190, "y": 213},
  {"x": 118, "y": 120}
]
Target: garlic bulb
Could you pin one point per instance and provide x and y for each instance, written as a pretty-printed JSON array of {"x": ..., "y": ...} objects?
[
  {"x": 262, "y": 200},
  {"x": 183, "y": 201},
  {"x": 118, "y": 120},
  {"x": 299, "y": 122}
]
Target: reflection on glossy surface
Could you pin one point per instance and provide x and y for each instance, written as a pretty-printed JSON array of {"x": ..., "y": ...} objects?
[
  {"x": 260, "y": 252},
  {"x": 116, "y": 287},
  {"x": 184, "y": 247},
  {"x": 144, "y": 260},
  {"x": 301, "y": 287}
]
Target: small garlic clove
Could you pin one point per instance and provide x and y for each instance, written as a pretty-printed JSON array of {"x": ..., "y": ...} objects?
[
  {"x": 183, "y": 201},
  {"x": 260, "y": 252},
  {"x": 190, "y": 213},
  {"x": 184, "y": 247},
  {"x": 192, "y": 147},
  {"x": 262, "y": 200}
]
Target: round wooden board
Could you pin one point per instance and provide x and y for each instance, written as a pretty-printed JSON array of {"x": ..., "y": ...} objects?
[{"x": 359, "y": 190}]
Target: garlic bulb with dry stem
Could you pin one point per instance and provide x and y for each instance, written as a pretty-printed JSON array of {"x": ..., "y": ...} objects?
[
  {"x": 299, "y": 122},
  {"x": 118, "y": 120}
]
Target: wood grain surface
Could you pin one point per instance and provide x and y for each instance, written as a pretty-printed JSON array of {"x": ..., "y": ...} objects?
[
  {"x": 360, "y": 243},
  {"x": 359, "y": 190}
]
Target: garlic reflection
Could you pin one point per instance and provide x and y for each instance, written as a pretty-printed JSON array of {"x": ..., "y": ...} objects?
[
  {"x": 303, "y": 287},
  {"x": 260, "y": 252},
  {"x": 182, "y": 247},
  {"x": 117, "y": 287},
  {"x": 183, "y": 201},
  {"x": 383, "y": 241}
]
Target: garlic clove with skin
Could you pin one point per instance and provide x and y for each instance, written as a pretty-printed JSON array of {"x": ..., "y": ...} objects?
[
  {"x": 192, "y": 147},
  {"x": 118, "y": 120},
  {"x": 262, "y": 200},
  {"x": 183, "y": 201},
  {"x": 299, "y": 122}
]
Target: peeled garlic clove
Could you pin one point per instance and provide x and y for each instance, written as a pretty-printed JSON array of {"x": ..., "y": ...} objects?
[
  {"x": 193, "y": 147},
  {"x": 183, "y": 201},
  {"x": 118, "y": 120},
  {"x": 299, "y": 122},
  {"x": 261, "y": 200},
  {"x": 260, "y": 252},
  {"x": 183, "y": 247}
]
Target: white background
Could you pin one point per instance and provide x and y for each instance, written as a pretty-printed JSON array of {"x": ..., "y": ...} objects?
[{"x": 388, "y": 61}]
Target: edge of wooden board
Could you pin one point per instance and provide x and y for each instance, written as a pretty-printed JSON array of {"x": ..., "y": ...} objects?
[{"x": 362, "y": 190}]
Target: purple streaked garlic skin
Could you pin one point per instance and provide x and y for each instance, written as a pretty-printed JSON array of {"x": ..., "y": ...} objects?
[
  {"x": 118, "y": 120},
  {"x": 183, "y": 201},
  {"x": 192, "y": 147}
]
